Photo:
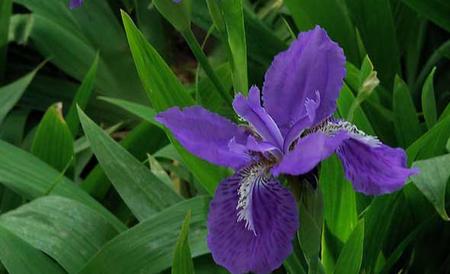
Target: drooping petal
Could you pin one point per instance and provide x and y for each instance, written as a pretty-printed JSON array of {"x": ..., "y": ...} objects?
[
  {"x": 251, "y": 110},
  {"x": 206, "y": 135},
  {"x": 308, "y": 152},
  {"x": 374, "y": 169},
  {"x": 313, "y": 63},
  {"x": 262, "y": 246},
  {"x": 75, "y": 3}
]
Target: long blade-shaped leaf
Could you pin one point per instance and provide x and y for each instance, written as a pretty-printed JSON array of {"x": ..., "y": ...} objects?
[
  {"x": 82, "y": 97},
  {"x": 407, "y": 126},
  {"x": 164, "y": 91},
  {"x": 11, "y": 93},
  {"x": 148, "y": 247},
  {"x": 144, "y": 112},
  {"x": 349, "y": 260},
  {"x": 32, "y": 178},
  {"x": 143, "y": 139},
  {"x": 233, "y": 17},
  {"x": 432, "y": 142},
  {"x": 182, "y": 261},
  {"x": 65, "y": 229},
  {"x": 142, "y": 191},
  {"x": 429, "y": 101},
  {"x": 374, "y": 20},
  {"x": 19, "y": 257}
]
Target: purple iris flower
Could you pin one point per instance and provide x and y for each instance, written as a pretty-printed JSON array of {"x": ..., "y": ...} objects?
[
  {"x": 253, "y": 218},
  {"x": 73, "y": 4}
]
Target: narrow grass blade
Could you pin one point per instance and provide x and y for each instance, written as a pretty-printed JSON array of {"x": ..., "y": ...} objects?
[
  {"x": 130, "y": 252},
  {"x": 82, "y": 97},
  {"x": 429, "y": 101},
  {"x": 182, "y": 261},
  {"x": 142, "y": 191}
]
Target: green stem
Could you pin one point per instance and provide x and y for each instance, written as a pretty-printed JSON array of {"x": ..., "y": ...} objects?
[{"x": 203, "y": 60}]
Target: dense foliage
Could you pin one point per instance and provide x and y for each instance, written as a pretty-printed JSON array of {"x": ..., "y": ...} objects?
[{"x": 90, "y": 182}]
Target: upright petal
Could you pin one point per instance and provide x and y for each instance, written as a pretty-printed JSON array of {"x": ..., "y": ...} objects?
[
  {"x": 374, "y": 169},
  {"x": 308, "y": 152},
  {"x": 313, "y": 63},
  {"x": 206, "y": 135},
  {"x": 251, "y": 110},
  {"x": 262, "y": 246},
  {"x": 75, "y": 3}
]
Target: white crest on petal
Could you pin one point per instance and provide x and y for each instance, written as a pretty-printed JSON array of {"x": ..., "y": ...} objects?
[
  {"x": 331, "y": 126},
  {"x": 251, "y": 177}
]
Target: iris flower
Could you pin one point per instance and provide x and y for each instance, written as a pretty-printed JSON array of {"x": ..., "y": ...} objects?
[{"x": 253, "y": 218}]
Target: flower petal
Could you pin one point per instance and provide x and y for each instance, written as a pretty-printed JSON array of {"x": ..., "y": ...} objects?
[
  {"x": 308, "y": 152},
  {"x": 75, "y": 3},
  {"x": 374, "y": 169},
  {"x": 251, "y": 110},
  {"x": 313, "y": 63},
  {"x": 206, "y": 135},
  {"x": 275, "y": 219}
]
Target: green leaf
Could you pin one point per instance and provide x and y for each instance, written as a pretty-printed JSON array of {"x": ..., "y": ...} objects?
[
  {"x": 164, "y": 91},
  {"x": 407, "y": 126},
  {"x": 65, "y": 229},
  {"x": 53, "y": 142},
  {"x": 82, "y": 97},
  {"x": 177, "y": 13},
  {"x": 435, "y": 10},
  {"x": 377, "y": 218},
  {"x": 11, "y": 93},
  {"x": 428, "y": 101},
  {"x": 144, "y": 112},
  {"x": 432, "y": 143},
  {"x": 19, "y": 257},
  {"x": 144, "y": 138},
  {"x": 5, "y": 15},
  {"x": 148, "y": 246},
  {"x": 432, "y": 181},
  {"x": 72, "y": 38},
  {"x": 350, "y": 259},
  {"x": 309, "y": 236},
  {"x": 339, "y": 199},
  {"x": 161, "y": 85},
  {"x": 142, "y": 191},
  {"x": 333, "y": 16},
  {"x": 32, "y": 178},
  {"x": 233, "y": 16},
  {"x": 374, "y": 21},
  {"x": 216, "y": 16},
  {"x": 182, "y": 261}
]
